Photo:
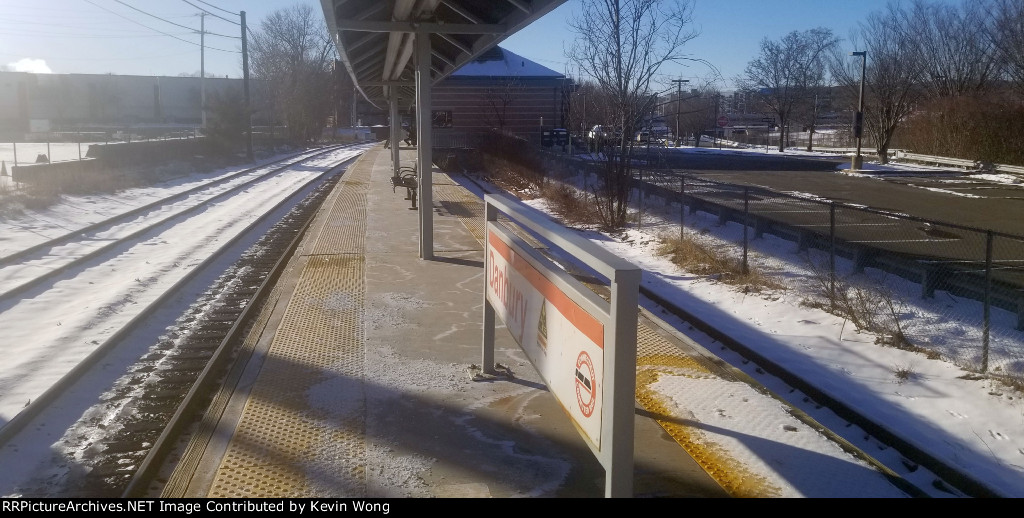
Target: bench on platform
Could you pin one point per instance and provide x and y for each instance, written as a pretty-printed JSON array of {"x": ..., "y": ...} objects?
[{"x": 406, "y": 178}]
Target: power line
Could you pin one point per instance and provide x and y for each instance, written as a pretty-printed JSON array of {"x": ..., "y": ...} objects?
[
  {"x": 170, "y": 22},
  {"x": 126, "y": 58},
  {"x": 81, "y": 36},
  {"x": 155, "y": 30},
  {"x": 218, "y": 8},
  {"x": 6, "y": 22},
  {"x": 212, "y": 14}
]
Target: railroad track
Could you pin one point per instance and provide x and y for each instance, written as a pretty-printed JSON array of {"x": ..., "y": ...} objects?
[
  {"x": 28, "y": 268},
  {"x": 163, "y": 390}
]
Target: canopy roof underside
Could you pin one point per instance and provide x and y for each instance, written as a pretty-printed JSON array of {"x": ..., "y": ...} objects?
[{"x": 376, "y": 38}]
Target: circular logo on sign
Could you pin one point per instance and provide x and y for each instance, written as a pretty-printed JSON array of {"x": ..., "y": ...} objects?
[{"x": 586, "y": 384}]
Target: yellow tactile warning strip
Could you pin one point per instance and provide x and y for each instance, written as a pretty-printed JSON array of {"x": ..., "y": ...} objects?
[
  {"x": 344, "y": 230},
  {"x": 457, "y": 201},
  {"x": 656, "y": 356},
  {"x": 284, "y": 430}
]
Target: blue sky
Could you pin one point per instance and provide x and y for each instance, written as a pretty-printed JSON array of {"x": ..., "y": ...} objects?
[
  {"x": 730, "y": 31},
  {"x": 108, "y": 36}
]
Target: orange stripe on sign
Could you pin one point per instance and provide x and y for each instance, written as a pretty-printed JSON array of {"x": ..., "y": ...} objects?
[{"x": 577, "y": 316}]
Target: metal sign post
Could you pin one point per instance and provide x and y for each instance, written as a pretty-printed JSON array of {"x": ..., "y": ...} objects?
[{"x": 582, "y": 346}]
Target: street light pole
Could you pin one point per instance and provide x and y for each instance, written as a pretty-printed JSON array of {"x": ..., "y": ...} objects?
[
  {"x": 679, "y": 96},
  {"x": 858, "y": 122},
  {"x": 583, "y": 122}
]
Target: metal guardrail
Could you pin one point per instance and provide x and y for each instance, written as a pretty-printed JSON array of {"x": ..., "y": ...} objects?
[
  {"x": 959, "y": 162},
  {"x": 899, "y": 154},
  {"x": 1012, "y": 169},
  {"x": 938, "y": 160}
]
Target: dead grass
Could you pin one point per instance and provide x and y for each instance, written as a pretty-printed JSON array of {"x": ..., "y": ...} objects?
[
  {"x": 573, "y": 206},
  {"x": 15, "y": 201},
  {"x": 868, "y": 305},
  {"x": 903, "y": 373},
  {"x": 694, "y": 256},
  {"x": 514, "y": 178}
]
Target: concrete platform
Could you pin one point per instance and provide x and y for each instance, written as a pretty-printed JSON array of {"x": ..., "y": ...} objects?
[{"x": 360, "y": 383}]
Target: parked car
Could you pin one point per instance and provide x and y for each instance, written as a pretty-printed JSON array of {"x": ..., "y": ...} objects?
[
  {"x": 560, "y": 136},
  {"x": 599, "y": 132}
]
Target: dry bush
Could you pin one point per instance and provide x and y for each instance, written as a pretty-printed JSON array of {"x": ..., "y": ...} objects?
[
  {"x": 514, "y": 178},
  {"x": 868, "y": 305},
  {"x": 903, "y": 373},
  {"x": 13, "y": 202},
  {"x": 699, "y": 258},
  {"x": 983, "y": 127},
  {"x": 572, "y": 205}
]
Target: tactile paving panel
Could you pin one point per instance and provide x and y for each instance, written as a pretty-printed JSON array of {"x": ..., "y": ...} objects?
[
  {"x": 657, "y": 357},
  {"x": 281, "y": 432},
  {"x": 344, "y": 229},
  {"x": 461, "y": 203}
]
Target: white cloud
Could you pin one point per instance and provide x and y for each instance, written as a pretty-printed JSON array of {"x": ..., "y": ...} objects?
[{"x": 35, "y": 66}]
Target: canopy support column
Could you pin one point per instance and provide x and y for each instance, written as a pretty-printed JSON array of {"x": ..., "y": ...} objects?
[
  {"x": 396, "y": 136},
  {"x": 424, "y": 143}
]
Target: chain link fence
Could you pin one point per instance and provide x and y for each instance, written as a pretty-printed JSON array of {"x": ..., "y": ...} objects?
[{"x": 945, "y": 290}]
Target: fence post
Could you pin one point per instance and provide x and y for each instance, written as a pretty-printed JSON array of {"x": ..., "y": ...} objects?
[
  {"x": 746, "y": 220},
  {"x": 640, "y": 205},
  {"x": 988, "y": 302},
  {"x": 832, "y": 251},
  {"x": 682, "y": 207},
  {"x": 15, "y": 146}
]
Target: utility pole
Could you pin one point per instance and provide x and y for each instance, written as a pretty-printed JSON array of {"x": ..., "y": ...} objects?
[
  {"x": 858, "y": 121},
  {"x": 202, "y": 66},
  {"x": 679, "y": 97},
  {"x": 245, "y": 78}
]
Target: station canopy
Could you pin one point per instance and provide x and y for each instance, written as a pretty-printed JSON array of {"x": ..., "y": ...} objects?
[{"x": 375, "y": 39}]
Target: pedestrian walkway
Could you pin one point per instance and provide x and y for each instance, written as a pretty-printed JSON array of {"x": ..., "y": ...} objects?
[{"x": 361, "y": 380}]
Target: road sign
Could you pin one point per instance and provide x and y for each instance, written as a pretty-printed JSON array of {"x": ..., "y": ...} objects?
[
  {"x": 769, "y": 120},
  {"x": 722, "y": 121}
]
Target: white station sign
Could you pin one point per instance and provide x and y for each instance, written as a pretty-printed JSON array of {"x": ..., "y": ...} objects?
[{"x": 564, "y": 342}]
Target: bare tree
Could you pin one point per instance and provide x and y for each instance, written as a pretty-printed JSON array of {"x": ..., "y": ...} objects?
[
  {"x": 588, "y": 108},
  {"x": 228, "y": 118},
  {"x": 786, "y": 72},
  {"x": 893, "y": 74},
  {"x": 954, "y": 42},
  {"x": 292, "y": 55},
  {"x": 1006, "y": 33},
  {"x": 621, "y": 45},
  {"x": 498, "y": 100}
]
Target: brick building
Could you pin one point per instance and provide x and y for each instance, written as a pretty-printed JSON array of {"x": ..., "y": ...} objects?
[{"x": 502, "y": 91}]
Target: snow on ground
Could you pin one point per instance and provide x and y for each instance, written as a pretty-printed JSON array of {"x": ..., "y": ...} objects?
[
  {"x": 976, "y": 425},
  {"x": 47, "y": 333}
]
